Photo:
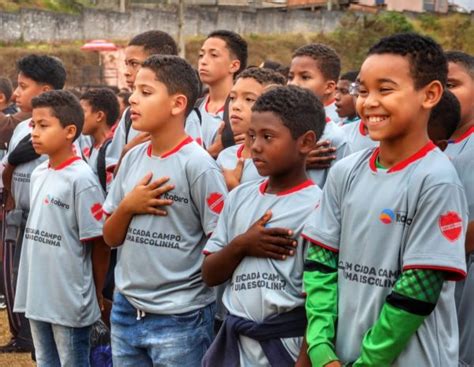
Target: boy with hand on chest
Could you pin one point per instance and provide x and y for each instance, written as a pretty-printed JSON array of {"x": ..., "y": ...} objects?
[
  {"x": 379, "y": 290},
  {"x": 257, "y": 245},
  {"x": 163, "y": 204},
  {"x": 63, "y": 251}
]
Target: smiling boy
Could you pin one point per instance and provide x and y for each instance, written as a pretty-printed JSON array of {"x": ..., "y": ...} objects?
[{"x": 389, "y": 232}]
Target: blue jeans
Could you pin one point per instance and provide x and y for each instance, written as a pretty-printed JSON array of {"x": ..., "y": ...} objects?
[
  {"x": 159, "y": 340},
  {"x": 58, "y": 345}
]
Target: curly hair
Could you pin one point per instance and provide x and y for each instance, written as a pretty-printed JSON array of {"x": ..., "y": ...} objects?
[
  {"x": 43, "y": 69},
  {"x": 155, "y": 43},
  {"x": 263, "y": 76},
  {"x": 103, "y": 99},
  {"x": 325, "y": 56}
]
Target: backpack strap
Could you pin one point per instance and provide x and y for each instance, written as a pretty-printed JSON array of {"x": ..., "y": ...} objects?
[
  {"x": 128, "y": 124},
  {"x": 227, "y": 134},
  {"x": 101, "y": 164}
]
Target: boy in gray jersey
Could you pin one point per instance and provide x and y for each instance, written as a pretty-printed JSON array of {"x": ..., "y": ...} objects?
[
  {"x": 461, "y": 84},
  {"x": 162, "y": 312},
  {"x": 64, "y": 259},
  {"x": 317, "y": 67},
  {"x": 256, "y": 245},
  {"x": 389, "y": 232},
  {"x": 235, "y": 161}
]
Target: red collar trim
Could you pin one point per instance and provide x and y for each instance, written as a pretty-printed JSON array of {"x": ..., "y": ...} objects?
[
  {"x": 362, "y": 128},
  {"x": 301, "y": 186},
  {"x": 206, "y": 106},
  {"x": 177, "y": 148},
  {"x": 468, "y": 133},
  {"x": 401, "y": 165},
  {"x": 240, "y": 150},
  {"x": 65, "y": 163},
  {"x": 330, "y": 102},
  {"x": 328, "y": 120}
]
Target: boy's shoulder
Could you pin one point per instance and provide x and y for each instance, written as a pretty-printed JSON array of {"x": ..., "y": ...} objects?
[
  {"x": 334, "y": 133},
  {"x": 229, "y": 154},
  {"x": 436, "y": 168}
]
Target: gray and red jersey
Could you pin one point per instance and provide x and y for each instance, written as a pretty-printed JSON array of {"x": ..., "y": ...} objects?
[
  {"x": 192, "y": 128},
  {"x": 210, "y": 122},
  {"x": 228, "y": 159},
  {"x": 331, "y": 112},
  {"x": 261, "y": 287},
  {"x": 357, "y": 137},
  {"x": 22, "y": 173},
  {"x": 159, "y": 263},
  {"x": 383, "y": 222},
  {"x": 463, "y": 143},
  {"x": 55, "y": 280},
  {"x": 464, "y": 164},
  {"x": 338, "y": 139}
]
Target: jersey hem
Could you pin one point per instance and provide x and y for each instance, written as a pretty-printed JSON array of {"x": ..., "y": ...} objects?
[
  {"x": 454, "y": 274},
  {"x": 320, "y": 244}
]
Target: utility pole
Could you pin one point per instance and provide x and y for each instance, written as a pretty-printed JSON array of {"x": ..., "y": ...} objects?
[
  {"x": 329, "y": 5},
  {"x": 122, "y": 6},
  {"x": 181, "y": 44}
]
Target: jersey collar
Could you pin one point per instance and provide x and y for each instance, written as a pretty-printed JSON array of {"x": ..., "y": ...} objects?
[
  {"x": 327, "y": 104},
  {"x": 328, "y": 120},
  {"x": 66, "y": 163},
  {"x": 240, "y": 150},
  {"x": 401, "y": 165},
  {"x": 207, "y": 104},
  {"x": 176, "y": 149},
  {"x": 301, "y": 186},
  {"x": 362, "y": 128},
  {"x": 467, "y": 134}
]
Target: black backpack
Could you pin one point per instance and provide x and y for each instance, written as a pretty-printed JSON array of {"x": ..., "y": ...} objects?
[{"x": 101, "y": 164}]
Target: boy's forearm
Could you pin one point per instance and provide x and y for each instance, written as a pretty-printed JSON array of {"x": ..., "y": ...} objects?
[
  {"x": 116, "y": 226},
  {"x": 470, "y": 238},
  {"x": 100, "y": 263},
  {"x": 219, "y": 266}
]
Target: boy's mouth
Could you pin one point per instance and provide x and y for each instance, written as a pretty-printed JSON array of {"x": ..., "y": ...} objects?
[
  {"x": 134, "y": 115},
  {"x": 376, "y": 119}
]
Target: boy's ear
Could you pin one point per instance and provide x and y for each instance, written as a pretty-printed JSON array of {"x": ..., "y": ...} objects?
[
  {"x": 234, "y": 66},
  {"x": 46, "y": 88},
  {"x": 307, "y": 142},
  {"x": 71, "y": 131},
  {"x": 100, "y": 116},
  {"x": 433, "y": 93},
  {"x": 179, "y": 104},
  {"x": 2, "y": 98},
  {"x": 330, "y": 87}
]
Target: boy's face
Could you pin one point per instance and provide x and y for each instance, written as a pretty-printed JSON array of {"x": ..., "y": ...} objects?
[
  {"x": 388, "y": 102},
  {"x": 345, "y": 106},
  {"x": 273, "y": 149},
  {"x": 151, "y": 105},
  {"x": 26, "y": 90},
  {"x": 215, "y": 61},
  {"x": 243, "y": 95},
  {"x": 134, "y": 58},
  {"x": 462, "y": 86},
  {"x": 305, "y": 73},
  {"x": 91, "y": 118},
  {"x": 48, "y": 135}
]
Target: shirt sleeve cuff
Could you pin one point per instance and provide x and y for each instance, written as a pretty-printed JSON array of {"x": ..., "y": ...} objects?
[{"x": 321, "y": 355}]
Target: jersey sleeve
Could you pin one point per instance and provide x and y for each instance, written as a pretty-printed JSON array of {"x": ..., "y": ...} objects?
[
  {"x": 323, "y": 227},
  {"x": 89, "y": 212},
  {"x": 208, "y": 192},
  {"x": 437, "y": 232},
  {"x": 220, "y": 236},
  {"x": 118, "y": 141}
]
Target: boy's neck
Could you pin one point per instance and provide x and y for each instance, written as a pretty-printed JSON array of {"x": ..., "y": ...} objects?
[
  {"x": 246, "y": 151},
  {"x": 62, "y": 155},
  {"x": 218, "y": 94},
  {"x": 328, "y": 99},
  {"x": 288, "y": 180},
  {"x": 3, "y": 106},
  {"x": 168, "y": 138},
  {"x": 461, "y": 130},
  {"x": 393, "y": 152},
  {"x": 100, "y": 135}
]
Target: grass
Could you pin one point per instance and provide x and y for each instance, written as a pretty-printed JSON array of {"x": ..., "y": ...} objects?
[{"x": 11, "y": 360}]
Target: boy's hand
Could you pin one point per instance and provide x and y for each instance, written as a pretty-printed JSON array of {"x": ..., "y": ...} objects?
[
  {"x": 145, "y": 197},
  {"x": 100, "y": 301},
  {"x": 217, "y": 146},
  {"x": 322, "y": 156},
  {"x": 137, "y": 140},
  {"x": 232, "y": 177},
  {"x": 240, "y": 138},
  {"x": 274, "y": 243}
]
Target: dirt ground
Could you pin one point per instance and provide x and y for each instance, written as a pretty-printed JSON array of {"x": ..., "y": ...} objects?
[{"x": 11, "y": 360}]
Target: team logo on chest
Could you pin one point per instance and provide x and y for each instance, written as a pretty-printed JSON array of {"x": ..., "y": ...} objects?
[
  {"x": 450, "y": 224},
  {"x": 215, "y": 202},
  {"x": 51, "y": 200}
]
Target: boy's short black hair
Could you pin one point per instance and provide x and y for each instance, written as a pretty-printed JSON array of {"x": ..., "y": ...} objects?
[
  {"x": 463, "y": 59},
  {"x": 155, "y": 43},
  {"x": 263, "y": 76},
  {"x": 6, "y": 88},
  {"x": 445, "y": 117},
  {"x": 125, "y": 97},
  {"x": 64, "y": 106},
  {"x": 43, "y": 69},
  {"x": 103, "y": 99},
  {"x": 350, "y": 75},
  {"x": 236, "y": 45},
  {"x": 299, "y": 109},
  {"x": 325, "y": 56},
  {"x": 426, "y": 57},
  {"x": 177, "y": 75}
]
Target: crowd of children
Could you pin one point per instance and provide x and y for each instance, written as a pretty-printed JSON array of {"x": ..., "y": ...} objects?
[{"x": 243, "y": 216}]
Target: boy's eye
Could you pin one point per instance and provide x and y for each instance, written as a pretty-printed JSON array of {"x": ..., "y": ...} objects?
[
  {"x": 385, "y": 90},
  {"x": 267, "y": 136},
  {"x": 290, "y": 76},
  {"x": 450, "y": 85},
  {"x": 306, "y": 77},
  {"x": 251, "y": 100}
]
